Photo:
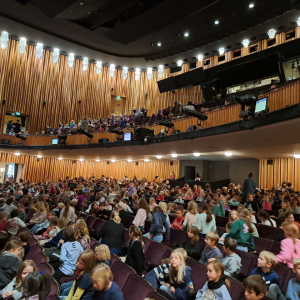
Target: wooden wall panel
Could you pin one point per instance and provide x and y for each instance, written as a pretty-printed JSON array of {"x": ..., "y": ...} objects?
[
  {"x": 48, "y": 168},
  {"x": 283, "y": 169}
]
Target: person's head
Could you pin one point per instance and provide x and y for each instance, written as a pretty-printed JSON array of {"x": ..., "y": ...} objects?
[
  {"x": 266, "y": 260},
  {"x": 53, "y": 221},
  {"x": 228, "y": 227},
  {"x": 27, "y": 266},
  {"x": 20, "y": 207},
  {"x": 9, "y": 201},
  {"x": 24, "y": 237},
  {"x": 290, "y": 231},
  {"x": 295, "y": 202},
  {"x": 179, "y": 213},
  {"x": 233, "y": 216},
  {"x": 135, "y": 233},
  {"x": 266, "y": 198},
  {"x": 102, "y": 277},
  {"x": 289, "y": 216},
  {"x": 61, "y": 223},
  {"x": 229, "y": 245},
  {"x": 94, "y": 206},
  {"x": 68, "y": 233},
  {"x": 14, "y": 213},
  {"x": 157, "y": 209},
  {"x": 216, "y": 197},
  {"x": 255, "y": 287},
  {"x": 211, "y": 239},
  {"x": 285, "y": 205},
  {"x": 192, "y": 207},
  {"x": 163, "y": 206},
  {"x": 13, "y": 247},
  {"x": 115, "y": 216},
  {"x": 102, "y": 252},
  {"x": 177, "y": 266},
  {"x": 86, "y": 261},
  {"x": 37, "y": 284},
  {"x": 215, "y": 271},
  {"x": 193, "y": 234},
  {"x": 106, "y": 202},
  {"x": 296, "y": 267},
  {"x": 250, "y": 197}
]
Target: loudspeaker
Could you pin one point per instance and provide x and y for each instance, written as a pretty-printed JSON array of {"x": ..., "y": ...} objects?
[
  {"x": 136, "y": 163},
  {"x": 171, "y": 163},
  {"x": 107, "y": 162},
  {"x": 270, "y": 162},
  {"x": 74, "y": 161}
]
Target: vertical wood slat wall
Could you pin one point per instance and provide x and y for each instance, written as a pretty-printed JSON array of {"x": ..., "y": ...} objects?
[
  {"x": 26, "y": 82},
  {"x": 52, "y": 168},
  {"x": 283, "y": 169}
]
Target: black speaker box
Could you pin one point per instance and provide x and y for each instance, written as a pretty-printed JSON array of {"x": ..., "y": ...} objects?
[
  {"x": 270, "y": 162},
  {"x": 171, "y": 163},
  {"x": 136, "y": 163}
]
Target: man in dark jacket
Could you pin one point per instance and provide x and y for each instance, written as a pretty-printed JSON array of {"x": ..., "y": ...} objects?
[{"x": 249, "y": 186}]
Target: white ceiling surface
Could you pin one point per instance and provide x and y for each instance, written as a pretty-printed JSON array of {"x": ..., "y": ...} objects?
[{"x": 280, "y": 140}]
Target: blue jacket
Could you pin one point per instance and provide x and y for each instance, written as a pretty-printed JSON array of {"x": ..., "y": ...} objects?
[
  {"x": 268, "y": 277},
  {"x": 55, "y": 240},
  {"x": 70, "y": 252},
  {"x": 113, "y": 293},
  {"x": 293, "y": 289},
  {"x": 159, "y": 222}
]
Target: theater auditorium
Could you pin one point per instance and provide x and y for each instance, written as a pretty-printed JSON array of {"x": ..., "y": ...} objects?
[{"x": 149, "y": 149}]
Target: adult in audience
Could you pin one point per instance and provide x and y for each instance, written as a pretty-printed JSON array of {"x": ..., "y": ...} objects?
[{"x": 249, "y": 186}]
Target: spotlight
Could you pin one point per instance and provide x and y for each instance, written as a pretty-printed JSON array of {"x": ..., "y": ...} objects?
[
  {"x": 196, "y": 154},
  {"x": 159, "y": 157},
  {"x": 272, "y": 33},
  {"x": 251, "y": 5},
  {"x": 174, "y": 155},
  {"x": 60, "y": 158},
  {"x": 217, "y": 22},
  {"x": 179, "y": 63},
  {"x": 97, "y": 160},
  {"x": 17, "y": 154},
  {"x": 158, "y": 44},
  {"x": 129, "y": 160},
  {"x": 39, "y": 156},
  {"x": 228, "y": 153},
  {"x": 186, "y": 34},
  {"x": 146, "y": 160},
  {"x": 113, "y": 160},
  {"x": 87, "y": 134},
  {"x": 296, "y": 155},
  {"x": 81, "y": 159}
]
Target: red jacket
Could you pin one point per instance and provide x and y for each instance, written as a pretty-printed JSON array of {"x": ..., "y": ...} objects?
[{"x": 177, "y": 223}]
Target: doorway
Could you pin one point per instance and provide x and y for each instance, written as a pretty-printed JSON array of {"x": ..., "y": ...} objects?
[
  {"x": 118, "y": 105},
  {"x": 14, "y": 116},
  {"x": 190, "y": 172}
]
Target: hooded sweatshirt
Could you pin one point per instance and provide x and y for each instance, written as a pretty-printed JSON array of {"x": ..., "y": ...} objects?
[
  {"x": 232, "y": 264},
  {"x": 158, "y": 224},
  {"x": 9, "y": 266}
]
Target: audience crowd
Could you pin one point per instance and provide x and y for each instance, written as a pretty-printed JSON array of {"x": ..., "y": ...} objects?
[{"x": 83, "y": 271}]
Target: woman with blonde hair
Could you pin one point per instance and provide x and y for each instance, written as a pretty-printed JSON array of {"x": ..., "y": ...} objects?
[
  {"x": 179, "y": 279},
  {"x": 82, "y": 234},
  {"x": 191, "y": 215},
  {"x": 290, "y": 246},
  {"x": 112, "y": 233},
  {"x": 41, "y": 214}
]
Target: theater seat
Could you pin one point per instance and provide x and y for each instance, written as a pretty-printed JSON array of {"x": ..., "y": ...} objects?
[
  {"x": 137, "y": 288},
  {"x": 40, "y": 258},
  {"x": 249, "y": 262},
  {"x": 147, "y": 242},
  {"x": 55, "y": 288},
  {"x": 90, "y": 222},
  {"x": 198, "y": 272},
  {"x": 33, "y": 251},
  {"x": 93, "y": 244},
  {"x": 67, "y": 279},
  {"x": 97, "y": 226},
  {"x": 32, "y": 241},
  {"x": 122, "y": 273},
  {"x": 285, "y": 274},
  {"x": 237, "y": 290},
  {"x": 268, "y": 232},
  {"x": 221, "y": 221},
  {"x": 45, "y": 267},
  {"x": 113, "y": 259},
  {"x": 177, "y": 237},
  {"x": 157, "y": 296}
]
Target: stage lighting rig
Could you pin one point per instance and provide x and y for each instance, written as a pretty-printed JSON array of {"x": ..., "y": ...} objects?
[
  {"x": 247, "y": 100},
  {"x": 118, "y": 133},
  {"x": 143, "y": 135},
  {"x": 167, "y": 125},
  {"x": 193, "y": 113}
]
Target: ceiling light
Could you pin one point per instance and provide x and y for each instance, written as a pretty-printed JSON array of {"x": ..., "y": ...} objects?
[
  {"x": 39, "y": 50},
  {"x": 22, "y": 45},
  {"x": 174, "y": 155},
  {"x": 112, "y": 68},
  {"x": 125, "y": 72},
  {"x": 200, "y": 57},
  {"x": 158, "y": 44},
  {"x": 85, "y": 63},
  {"x": 81, "y": 3},
  {"x": 129, "y": 160},
  {"x": 71, "y": 60},
  {"x": 137, "y": 73},
  {"x": 39, "y": 156},
  {"x": 55, "y": 55},
  {"x": 98, "y": 67},
  {"x": 228, "y": 153},
  {"x": 272, "y": 33},
  {"x": 97, "y": 160},
  {"x": 251, "y": 5},
  {"x": 160, "y": 71},
  {"x": 146, "y": 160},
  {"x": 60, "y": 158},
  {"x": 17, "y": 154},
  {"x": 186, "y": 34},
  {"x": 217, "y": 22},
  {"x": 196, "y": 154},
  {"x": 246, "y": 43},
  {"x": 4, "y": 39},
  {"x": 298, "y": 21},
  {"x": 179, "y": 63},
  {"x": 81, "y": 159},
  {"x": 296, "y": 155},
  {"x": 113, "y": 160},
  {"x": 159, "y": 157},
  {"x": 221, "y": 50}
]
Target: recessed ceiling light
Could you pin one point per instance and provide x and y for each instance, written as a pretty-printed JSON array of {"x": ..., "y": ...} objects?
[
  {"x": 159, "y": 156},
  {"x": 60, "y": 158},
  {"x": 97, "y": 160},
  {"x": 71, "y": 11},
  {"x": 39, "y": 156},
  {"x": 158, "y": 44},
  {"x": 129, "y": 160},
  {"x": 174, "y": 155},
  {"x": 17, "y": 154},
  {"x": 217, "y": 22},
  {"x": 81, "y": 3},
  {"x": 196, "y": 154},
  {"x": 186, "y": 34},
  {"x": 113, "y": 160},
  {"x": 146, "y": 160},
  {"x": 228, "y": 153},
  {"x": 251, "y": 5},
  {"x": 89, "y": 13},
  {"x": 81, "y": 159},
  {"x": 296, "y": 155}
]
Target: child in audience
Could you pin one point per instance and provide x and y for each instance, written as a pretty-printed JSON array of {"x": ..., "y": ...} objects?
[
  {"x": 161, "y": 196},
  {"x": 255, "y": 287},
  {"x": 152, "y": 203},
  {"x": 40, "y": 215},
  {"x": 290, "y": 246},
  {"x": 141, "y": 215},
  {"x": 191, "y": 244},
  {"x": 8, "y": 207},
  {"x": 60, "y": 224},
  {"x": 21, "y": 212},
  {"x": 211, "y": 250},
  {"x": 205, "y": 221},
  {"x": 235, "y": 201},
  {"x": 23, "y": 238},
  {"x": 289, "y": 217},
  {"x": 70, "y": 252},
  {"x": 179, "y": 199},
  {"x": 285, "y": 207},
  {"x": 216, "y": 284},
  {"x": 105, "y": 287},
  {"x": 68, "y": 212},
  {"x": 265, "y": 219},
  {"x": 217, "y": 206},
  {"x": 37, "y": 286},
  {"x": 94, "y": 209},
  {"x": 265, "y": 263},
  {"x": 191, "y": 215},
  {"x": 40, "y": 228},
  {"x": 102, "y": 213},
  {"x": 226, "y": 206},
  {"x": 103, "y": 255},
  {"x": 231, "y": 261},
  {"x": 9, "y": 262},
  {"x": 82, "y": 234},
  {"x": 14, "y": 289},
  {"x": 250, "y": 204},
  {"x": 82, "y": 287},
  {"x": 233, "y": 216},
  {"x": 241, "y": 231},
  {"x": 135, "y": 254},
  {"x": 14, "y": 223},
  {"x": 3, "y": 221},
  {"x": 107, "y": 205},
  {"x": 266, "y": 205},
  {"x": 179, "y": 279},
  {"x": 224, "y": 235},
  {"x": 172, "y": 208},
  {"x": 293, "y": 290},
  {"x": 177, "y": 223}
]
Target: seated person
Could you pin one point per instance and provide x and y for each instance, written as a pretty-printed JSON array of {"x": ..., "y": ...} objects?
[{"x": 211, "y": 250}]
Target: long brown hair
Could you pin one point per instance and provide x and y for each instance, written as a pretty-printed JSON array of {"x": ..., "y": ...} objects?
[
  {"x": 81, "y": 230},
  {"x": 67, "y": 208},
  {"x": 263, "y": 214},
  {"x": 204, "y": 207},
  {"x": 143, "y": 204},
  {"x": 291, "y": 231},
  {"x": 195, "y": 231},
  {"x": 218, "y": 267},
  {"x": 89, "y": 260},
  {"x": 24, "y": 264}
]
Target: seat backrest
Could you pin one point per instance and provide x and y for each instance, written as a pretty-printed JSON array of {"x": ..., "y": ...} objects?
[
  {"x": 237, "y": 290},
  {"x": 269, "y": 232},
  {"x": 98, "y": 224},
  {"x": 147, "y": 242},
  {"x": 262, "y": 244},
  {"x": 126, "y": 239},
  {"x": 113, "y": 259},
  {"x": 137, "y": 288},
  {"x": 54, "y": 287},
  {"x": 121, "y": 273},
  {"x": 33, "y": 251},
  {"x": 177, "y": 237},
  {"x": 221, "y": 221},
  {"x": 93, "y": 244},
  {"x": 40, "y": 258},
  {"x": 285, "y": 274},
  {"x": 45, "y": 267},
  {"x": 90, "y": 222},
  {"x": 249, "y": 262},
  {"x": 154, "y": 254},
  {"x": 197, "y": 269}
]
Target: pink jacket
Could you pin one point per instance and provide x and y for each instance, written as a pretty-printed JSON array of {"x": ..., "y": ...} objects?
[
  {"x": 266, "y": 206},
  {"x": 140, "y": 218},
  {"x": 287, "y": 252}
]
